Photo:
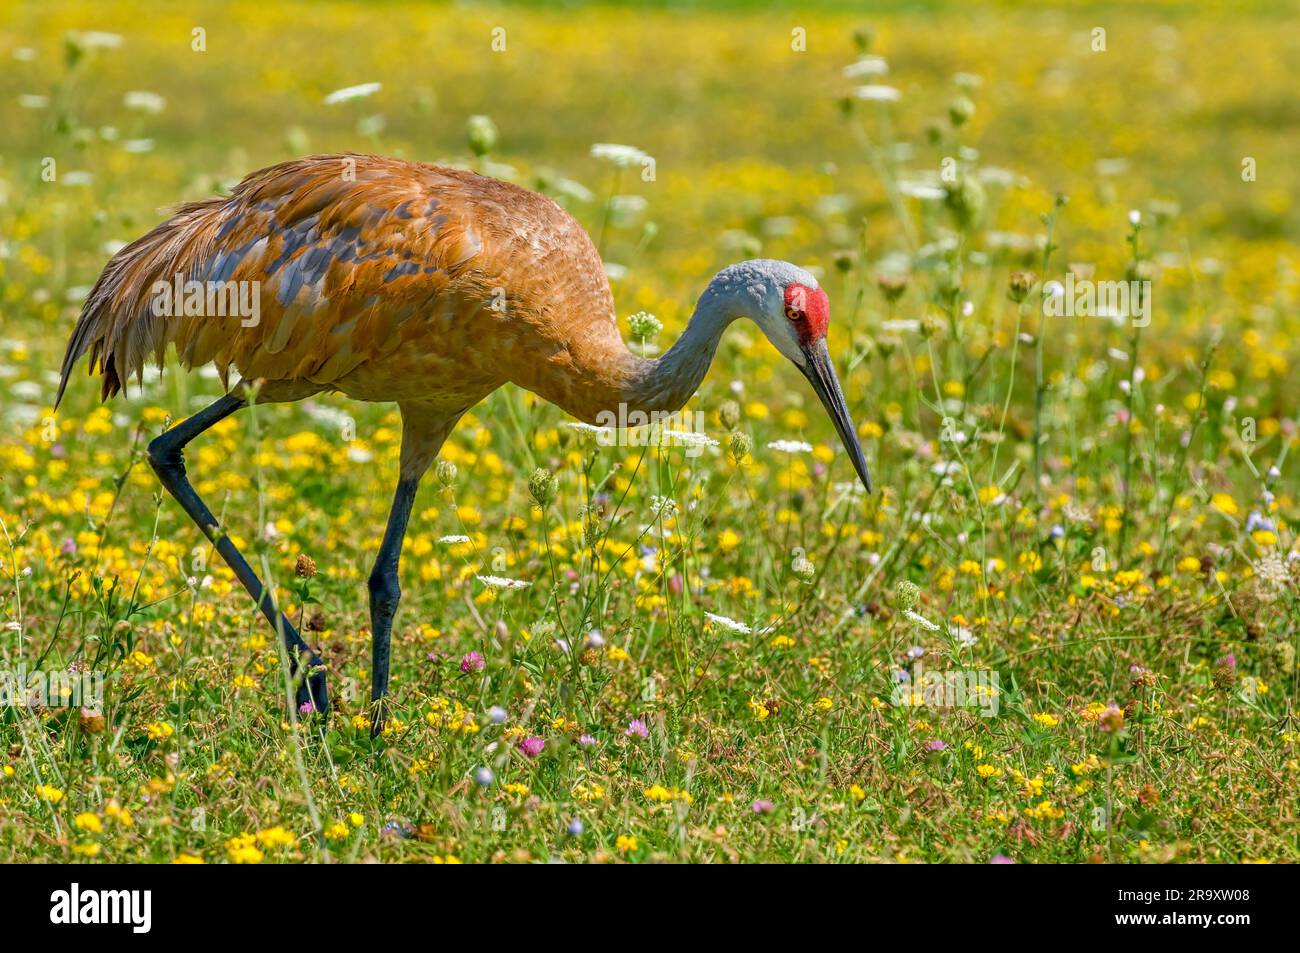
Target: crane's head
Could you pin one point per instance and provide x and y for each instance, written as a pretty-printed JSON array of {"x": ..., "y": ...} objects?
[{"x": 786, "y": 302}]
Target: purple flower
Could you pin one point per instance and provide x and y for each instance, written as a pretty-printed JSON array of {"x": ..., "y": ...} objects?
[
  {"x": 915, "y": 652},
  {"x": 532, "y": 747},
  {"x": 1228, "y": 661},
  {"x": 472, "y": 662},
  {"x": 69, "y": 547},
  {"x": 934, "y": 744},
  {"x": 763, "y": 806},
  {"x": 586, "y": 741},
  {"x": 636, "y": 728},
  {"x": 307, "y": 708},
  {"x": 1001, "y": 859}
]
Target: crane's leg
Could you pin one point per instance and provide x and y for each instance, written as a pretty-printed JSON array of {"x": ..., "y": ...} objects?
[
  {"x": 424, "y": 428},
  {"x": 168, "y": 461}
]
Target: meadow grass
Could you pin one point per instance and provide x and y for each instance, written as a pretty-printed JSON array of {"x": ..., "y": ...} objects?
[{"x": 1084, "y": 524}]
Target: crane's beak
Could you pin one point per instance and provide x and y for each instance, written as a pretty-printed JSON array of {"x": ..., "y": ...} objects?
[{"x": 821, "y": 374}]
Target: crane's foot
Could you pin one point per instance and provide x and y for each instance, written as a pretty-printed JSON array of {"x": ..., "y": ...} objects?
[
  {"x": 378, "y": 717},
  {"x": 312, "y": 695}
]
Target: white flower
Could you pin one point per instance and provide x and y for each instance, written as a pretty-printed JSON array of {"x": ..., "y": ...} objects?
[
  {"x": 878, "y": 94},
  {"x": 921, "y": 620},
  {"x": 1134, "y": 217},
  {"x": 33, "y": 100},
  {"x": 144, "y": 101},
  {"x": 790, "y": 446},
  {"x": 95, "y": 40},
  {"x": 663, "y": 506},
  {"x": 731, "y": 624},
  {"x": 501, "y": 582},
  {"x": 453, "y": 539},
  {"x": 352, "y": 92},
  {"x": 621, "y": 156},
  {"x": 686, "y": 438},
  {"x": 867, "y": 66},
  {"x": 965, "y": 637},
  {"x": 923, "y": 191}
]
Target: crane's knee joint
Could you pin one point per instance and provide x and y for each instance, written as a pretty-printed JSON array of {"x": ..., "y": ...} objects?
[
  {"x": 165, "y": 457},
  {"x": 385, "y": 593}
]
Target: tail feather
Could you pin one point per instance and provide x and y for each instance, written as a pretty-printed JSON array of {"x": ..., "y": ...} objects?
[{"x": 117, "y": 326}]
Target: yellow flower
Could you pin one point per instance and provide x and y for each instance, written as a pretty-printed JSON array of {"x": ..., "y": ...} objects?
[
  {"x": 823, "y": 704},
  {"x": 355, "y": 819},
  {"x": 159, "y": 730},
  {"x": 89, "y": 822},
  {"x": 987, "y": 771},
  {"x": 276, "y": 837},
  {"x": 1046, "y": 720},
  {"x": 782, "y": 642},
  {"x": 1224, "y": 504},
  {"x": 625, "y": 844},
  {"x": 758, "y": 709},
  {"x": 337, "y": 831},
  {"x": 187, "y": 858},
  {"x": 242, "y": 850},
  {"x": 1189, "y": 564},
  {"x": 856, "y": 792},
  {"x": 90, "y": 849},
  {"x": 49, "y": 793}
]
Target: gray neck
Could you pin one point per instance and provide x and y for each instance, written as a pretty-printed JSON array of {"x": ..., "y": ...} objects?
[{"x": 666, "y": 383}]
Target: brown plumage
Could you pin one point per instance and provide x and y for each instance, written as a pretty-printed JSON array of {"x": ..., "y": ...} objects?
[{"x": 397, "y": 281}]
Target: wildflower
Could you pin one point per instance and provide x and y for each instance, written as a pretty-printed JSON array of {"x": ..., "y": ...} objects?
[
  {"x": 644, "y": 326},
  {"x": 49, "y": 793},
  {"x": 935, "y": 744},
  {"x": 740, "y": 446},
  {"x": 531, "y": 747},
  {"x": 575, "y": 828},
  {"x": 906, "y": 594},
  {"x": 305, "y": 567},
  {"x": 276, "y": 837},
  {"x": 636, "y": 728},
  {"x": 337, "y": 831},
  {"x": 1111, "y": 719},
  {"x": 481, "y": 133},
  {"x": 790, "y": 446},
  {"x": 857, "y": 793},
  {"x": 762, "y": 806},
  {"x": 1021, "y": 283},
  {"x": 1046, "y": 720},
  {"x": 88, "y": 822},
  {"x": 500, "y": 582},
  {"x": 472, "y": 662},
  {"x": 242, "y": 850},
  {"x": 625, "y": 843},
  {"x": 727, "y": 623},
  {"x": 987, "y": 771},
  {"x": 1001, "y": 859},
  {"x": 484, "y": 777},
  {"x": 360, "y": 91},
  {"x": 446, "y": 474},
  {"x": 453, "y": 539},
  {"x": 878, "y": 93},
  {"x": 543, "y": 486},
  {"x": 620, "y": 155}
]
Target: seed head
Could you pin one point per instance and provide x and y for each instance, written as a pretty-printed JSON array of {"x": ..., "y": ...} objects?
[
  {"x": 905, "y": 594},
  {"x": 729, "y": 414},
  {"x": 305, "y": 568},
  {"x": 1021, "y": 283},
  {"x": 892, "y": 286},
  {"x": 446, "y": 473},
  {"x": 482, "y": 135},
  {"x": 960, "y": 110},
  {"x": 542, "y": 486},
  {"x": 740, "y": 446}
]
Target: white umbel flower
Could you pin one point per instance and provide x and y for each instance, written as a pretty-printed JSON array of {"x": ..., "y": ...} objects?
[
  {"x": 501, "y": 582},
  {"x": 360, "y": 91},
  {"x": 790, "y": 446},
  {"x": 731, "y": 624}
]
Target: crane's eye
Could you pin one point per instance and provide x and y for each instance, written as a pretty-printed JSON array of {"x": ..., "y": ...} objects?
[{"x": 793, "y": 313}]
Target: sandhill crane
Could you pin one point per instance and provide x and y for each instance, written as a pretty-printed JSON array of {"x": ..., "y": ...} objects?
[{"x": 388, "y": 280}]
